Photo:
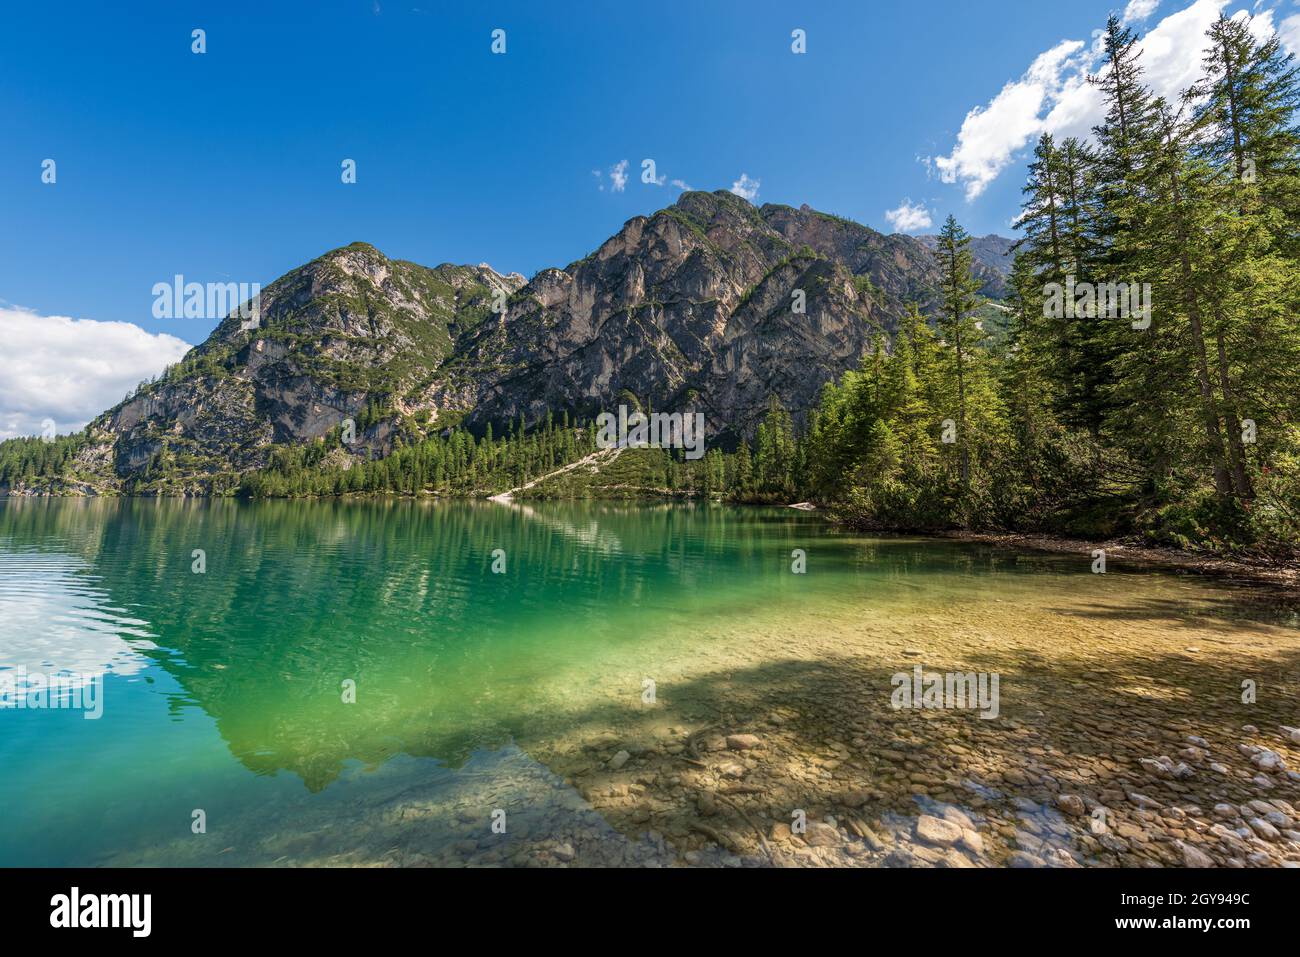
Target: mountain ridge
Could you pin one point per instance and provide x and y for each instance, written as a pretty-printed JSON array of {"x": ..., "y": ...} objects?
[{"x": 690, "y": 305}]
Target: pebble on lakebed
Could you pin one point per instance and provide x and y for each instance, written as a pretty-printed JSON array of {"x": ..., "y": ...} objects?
[
  {"x": 779, "y": 747},
  {"x": 1101, "y": 766}
]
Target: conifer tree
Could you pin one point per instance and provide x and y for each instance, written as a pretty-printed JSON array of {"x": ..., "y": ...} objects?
[{"x": 960, "y": 331}]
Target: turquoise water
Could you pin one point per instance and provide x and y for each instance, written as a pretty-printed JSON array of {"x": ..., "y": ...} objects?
[{"x": 224, "y": 691}]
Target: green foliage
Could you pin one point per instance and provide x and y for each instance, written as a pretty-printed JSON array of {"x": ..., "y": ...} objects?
[
  {"x": 1181, "y": 433},
  {"x": 34, "y": 463},
  {"x": 455, "y": 464}
]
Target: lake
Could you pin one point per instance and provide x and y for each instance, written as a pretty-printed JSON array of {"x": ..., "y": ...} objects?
[{"x": 537, "y": 684}]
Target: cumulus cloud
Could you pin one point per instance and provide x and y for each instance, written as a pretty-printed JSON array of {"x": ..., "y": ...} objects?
[
  {"x": 1289, "y": 31},
  {"x": 745, "y": 187},
  {"x": 909, "y": 217},
  {"x": 1172, "y": 51},
  {"x": 70, "y": 370},
  {"x": 1139, "y": 10},
  {"x": 1054, "y": 96},
  {"x": 991, "y": 135},
  {"x": 683, "y": 185}
]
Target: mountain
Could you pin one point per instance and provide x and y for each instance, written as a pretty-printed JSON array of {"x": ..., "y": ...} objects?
[
  {"x": 689, "y": 307},
  {"x": 335, "y": 334},
  {"x": 991, "y": 261}
]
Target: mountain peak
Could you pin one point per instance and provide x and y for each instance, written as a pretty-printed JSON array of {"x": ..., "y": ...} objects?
[{"x": 689, "y": 306}]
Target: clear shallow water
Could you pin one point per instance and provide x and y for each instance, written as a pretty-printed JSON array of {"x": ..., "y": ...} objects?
[{"x": 478, "y": 690}]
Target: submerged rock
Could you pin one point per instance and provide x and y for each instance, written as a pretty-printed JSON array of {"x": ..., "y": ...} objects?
[{"x": 935, "y": 830}]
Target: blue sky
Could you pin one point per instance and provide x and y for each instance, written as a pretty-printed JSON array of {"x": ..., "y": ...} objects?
[{"x": 226, "y": 166}]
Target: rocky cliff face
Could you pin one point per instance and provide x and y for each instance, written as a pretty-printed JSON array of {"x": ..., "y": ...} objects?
[
  {"x": 693, "y": 307},
  {"x": 349, "y": 329}
]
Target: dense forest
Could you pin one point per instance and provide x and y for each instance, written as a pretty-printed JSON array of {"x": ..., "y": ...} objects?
[
  {"x": 1180, "y": 423},
  {"x": 1143, "y": 381}
]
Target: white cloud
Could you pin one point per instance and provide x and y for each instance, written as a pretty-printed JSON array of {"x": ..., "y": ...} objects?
[
  {"x": 1261, "y": 24},
  {"x": 1054, "y": 96},
  {"x": 909, "y": 218},
  {"x": 618, "y": 176},
  {"x": 1139, "y": 10},
  {"x": 683, "y": 185},
  {"x": 1172, "y": 51},
  {"x": 70, "y": 370},
  {"x": 1289, "y": 31},
  {"x": 745, "y": 187},
  {"x": 991, "y": 135}
]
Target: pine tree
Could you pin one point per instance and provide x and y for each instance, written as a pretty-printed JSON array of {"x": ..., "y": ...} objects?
[{"x": 960, "y": 331}]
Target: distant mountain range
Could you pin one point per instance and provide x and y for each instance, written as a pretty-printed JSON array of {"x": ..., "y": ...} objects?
[
  {"x": 993, "y": 258},
  {"x": 689, "y": 307}
]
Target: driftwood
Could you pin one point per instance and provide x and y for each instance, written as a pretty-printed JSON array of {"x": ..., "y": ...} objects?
[{"x": 762, "y": 838}]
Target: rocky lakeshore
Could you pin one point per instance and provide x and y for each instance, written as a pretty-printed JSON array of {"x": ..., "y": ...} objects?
[
  {"x": 905, "y": 806},
  {"x": 1280, "y": 572},
  {"x": 919, "y": 797},
  {"x": 1125, "y": 738}
]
